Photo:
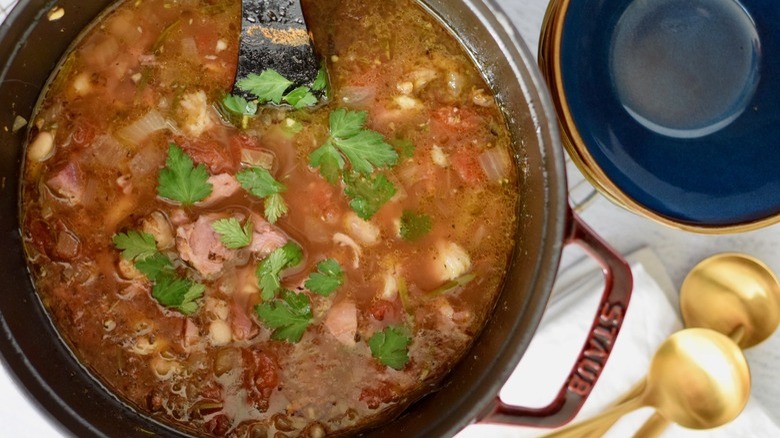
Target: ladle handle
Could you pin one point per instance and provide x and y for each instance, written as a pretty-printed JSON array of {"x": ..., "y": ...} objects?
[
  {"x": 653, "y": 427},
  {"x": 598, "y": 345}
]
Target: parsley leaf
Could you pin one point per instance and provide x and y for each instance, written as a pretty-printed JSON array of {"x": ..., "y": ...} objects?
[
  {"x": 180, "y": 180},
  {"x": 366, "y": 150},
  {"x": 346, "y": 124},
  {"x": 232, "y": 234},
  {"x": 414, "y": 226},
  {"x": 268, "y": 86},
  {"x": 404, "y": 147},
  {"x": 289, "y": 317},
  {"x": 260, "y": 183},
  {"x": 327, "y": 279},
  {"x": 321, "y": 81},
  {"x": 155, "y": 266},
  {"x": 275, "y": 207},
  {"x": 168, "y": 289},
  {"x": 269, "y": 268},
  {"x": 178, "y": 293},
  {"x": 135, "y": 245},
  {"x": 301, "y": 97},
  {"x": 367, "y": 194},
  {"x": 391, "y": 347},
  {"x": 329, "y": 160},
  {"x": 239, "y": 105}
]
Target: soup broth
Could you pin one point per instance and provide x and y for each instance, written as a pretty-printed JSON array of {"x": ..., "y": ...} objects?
[{"x": 306, "y": 268}]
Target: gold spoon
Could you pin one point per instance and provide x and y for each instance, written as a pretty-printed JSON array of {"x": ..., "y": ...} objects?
[
  {"x": 698, "y": 378},
  {"x": 731, "y": 293}
]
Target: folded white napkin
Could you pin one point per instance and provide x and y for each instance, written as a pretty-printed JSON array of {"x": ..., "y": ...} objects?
[{"x": 650, "y": 318}]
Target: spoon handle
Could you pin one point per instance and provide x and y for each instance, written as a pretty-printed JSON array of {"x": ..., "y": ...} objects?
[
  {"x": 653, "y": 427},
  {"x": 632, "y": 393},
  {"x": 609, "y": 416}
]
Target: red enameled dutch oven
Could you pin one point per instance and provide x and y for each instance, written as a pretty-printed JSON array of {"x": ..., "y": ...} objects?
[{"x": 30, "y": 48}]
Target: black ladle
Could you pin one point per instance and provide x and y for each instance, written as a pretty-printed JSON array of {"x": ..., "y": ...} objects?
[{"x": 274, "y": 36}]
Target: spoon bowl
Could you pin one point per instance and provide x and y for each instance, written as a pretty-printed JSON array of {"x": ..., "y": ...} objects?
[
  {"x": 733, "y": 294},
  {"x": 698, "y": 378}
]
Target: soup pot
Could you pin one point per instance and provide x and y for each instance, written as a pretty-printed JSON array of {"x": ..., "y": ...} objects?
[{"x": 31, "y": 45}]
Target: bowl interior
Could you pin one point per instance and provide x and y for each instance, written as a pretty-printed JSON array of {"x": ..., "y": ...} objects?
[{"x": 674, "y": 102}]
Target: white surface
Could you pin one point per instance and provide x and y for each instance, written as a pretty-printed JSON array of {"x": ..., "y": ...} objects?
[{"x": 678, "y": 252}]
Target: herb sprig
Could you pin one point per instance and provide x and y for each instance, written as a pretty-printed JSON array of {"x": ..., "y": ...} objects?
[
  {"x": 269, "y": 269},
  {"x": 327, "y": 279},
  {"x": 168, "y": 288},
  {"x": 288, "y": 316},
  {"x": 181, "y": 180},
  {"x": 391, "y": 347},
  {"x": 260, "y": 183},
  {"x": 271, "y": 86},
  {"x": 232, "y": 234}
]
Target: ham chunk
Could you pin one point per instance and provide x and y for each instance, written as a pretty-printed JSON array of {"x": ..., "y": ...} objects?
[
  {"x": 266, "y": 238},
  {"x": 67, "y": 184},
  {"x": 224, "y": 185},
  {"x": 199, "y": 245},
  {"x": 341, "y": 322}
]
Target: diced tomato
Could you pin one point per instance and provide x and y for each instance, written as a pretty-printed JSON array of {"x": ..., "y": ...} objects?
[
  {"x": 466, "y": 163},
  {"x": 383, "y": 310},
  {"x": 216, "y": 155},
  {"x": 261, "y": 377}
]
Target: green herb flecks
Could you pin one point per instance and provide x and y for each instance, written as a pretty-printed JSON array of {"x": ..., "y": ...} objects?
[
  {"x": 288, "y": 316},
  {"x": 260, "y": 183},
  {"x": 269, "y": 269},
  {"x": 181, "y": 180},
  {"x": 414, "y": 225},
  {"x": 327, "y": 279},
  {"x": 367, "y": 194},
  {"x": 391, "y": 347}
]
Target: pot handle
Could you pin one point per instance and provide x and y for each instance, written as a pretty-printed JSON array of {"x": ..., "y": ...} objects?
[{"x": 598, "y": 345}]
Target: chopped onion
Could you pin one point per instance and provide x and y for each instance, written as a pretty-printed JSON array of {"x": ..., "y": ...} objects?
[
  {"x": 357, "y": 97},
  {"x": 188, "y": 48},
  {"x": 136, "y": 132},
  {"x": 260, "y": 158},
  {"x": 495, "y": 163}
]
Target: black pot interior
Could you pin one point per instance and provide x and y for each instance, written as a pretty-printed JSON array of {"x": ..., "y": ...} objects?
[{"x": 30, "y": 48}]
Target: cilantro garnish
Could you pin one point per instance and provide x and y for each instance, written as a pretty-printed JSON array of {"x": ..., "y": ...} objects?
[
  {"x": 321, "y": 81},
  {"x": 178, "y": 293},
  {"x": 365, "y": 149},
  {"x": 180, "y": 180},
  {"x": 260, "y": 183},
  {"x": 327, "y": 279},
  {"x": 391, "y": 347},
  {"x": 301, "y": 97},
  {"x": 168, "y": 289},
  {"x": 404, "y": 147},
  {"x": 155, "y": 266},
  {"x": 329, "y": 161},
  {"x": 269, "y": 268},
  {"x": 288, "y": 317},
  {"x": 414, "y": 226},
  {"x": 367, "y": 194},
  {"x": 268, "y": 86},
  {"x": 239, "y": 105},
  {"x": 232, "y": 234},
  {"x": 135, "y": 245}
]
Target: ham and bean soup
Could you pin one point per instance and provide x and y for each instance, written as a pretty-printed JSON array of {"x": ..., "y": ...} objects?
[{"x": 302, "y": 261}]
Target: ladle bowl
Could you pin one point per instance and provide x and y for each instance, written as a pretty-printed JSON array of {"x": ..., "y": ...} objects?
[{"x": 733, "y": 294}]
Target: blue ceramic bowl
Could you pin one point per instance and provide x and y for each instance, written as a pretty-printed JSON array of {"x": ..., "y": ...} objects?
[{"x": 672, "y": 107}]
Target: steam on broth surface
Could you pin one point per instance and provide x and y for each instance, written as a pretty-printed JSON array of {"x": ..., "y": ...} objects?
[{"x": 303, "y": 270}]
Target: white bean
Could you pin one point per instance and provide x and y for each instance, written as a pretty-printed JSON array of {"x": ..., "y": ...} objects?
[
  {"x": 42, "y": 147},
  {"x": 219, "y": 333}
]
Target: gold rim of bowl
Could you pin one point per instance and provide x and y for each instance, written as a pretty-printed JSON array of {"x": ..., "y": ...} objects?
[{"x": 550, "y": 65}]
